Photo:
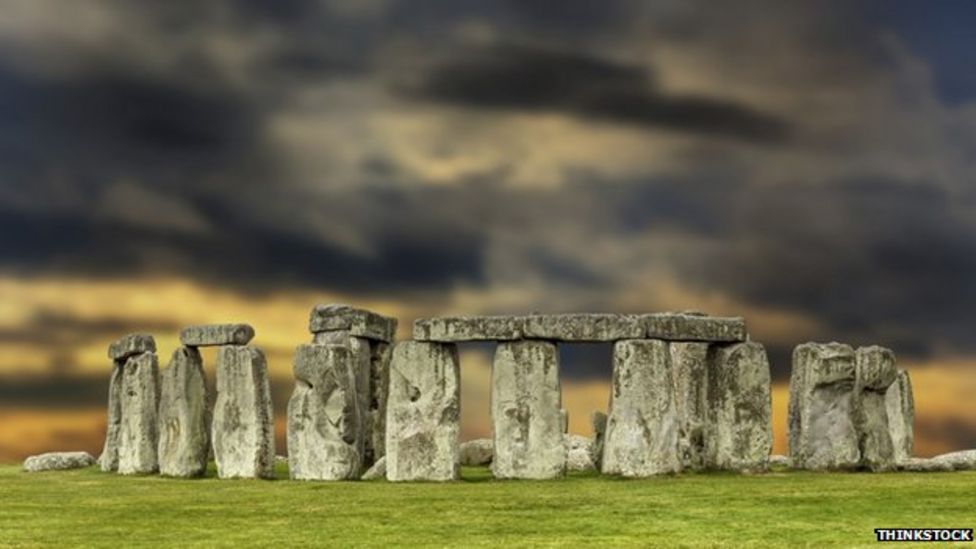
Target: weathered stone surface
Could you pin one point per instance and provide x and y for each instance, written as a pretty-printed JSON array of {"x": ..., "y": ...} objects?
[
  {"x": 183, "y": 437},
  {"x": 109, "y": 460},
  {"x": 324, "y": 421},
  {"x": 132, "y": 344},
  {"x": 925, "y": 465},
  {"x": 525, "y": 411},
  {"x": 468, "y": 328},
  {"x": 598, "y": 420},
  {"x": 242, "y": 432},
  {"x": 358, "y": 322},
  {"x": 360, "y": 360},
  {"x": 379, "y": 382},
  {"x": 423, "y": 412},
  {"x": 823, "y": 407},
  {"x": 579, "y": 453},
  {"x": 875, "y": 373},
  {"x": 477, "y": 452},
  {"x": 584, "y": 327},
  {"x": 58, "y": 461},
  {"x": 216, "y": 334},
  {"x": 139, "y": 405},
  {"x": 642, "y": 427},
  {"x": 777, "y": 460},
  {"x": 964, "y": 460},
  {"x": 689, "y": 366},
  {"x": 378, "y": 470},
  {"x": 694, "y": 327},
  {"x": 740, "y": 432},
  {"x": 900, "y": 404}
]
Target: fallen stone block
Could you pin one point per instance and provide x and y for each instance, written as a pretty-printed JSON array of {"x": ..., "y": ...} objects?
[
  {"x": 324, "y": 421},
  {"x": 900, "y": 404},
  {"x": 525, "y": 411},
  {"x": 216, "y": 334},
  {"x": 642, "y": 427},
  {"x": 579, "y": 453},
  {"x": 139, "y": 406},
  {"x": 964, "y": 460},
  {"x": 925, "y": 465},
  {"x": 584, "y": 327},
  {"x": 183, "y": 436},
  {"x": 468, "y": 328},
  {"x": 423, "y": 412},
  {"x": 689, "y": 365},
  {"x": 358, "y": 322},
  {"x": 740, "y": 431},
  {"x": 823, "y": 407},
  {"x": 378, "y": 470},
  {"x": 476, "y": 452},
  {"x": 108, "y": 461},
  {"x": 777, "y": 460},
  {"x": 130, "y": 345},
  {"x": 694, "y": 327},
  {"x": 58, "y": 461},
  {"x": 243, "y": 427},
  {"x": 875, "y": 373}
]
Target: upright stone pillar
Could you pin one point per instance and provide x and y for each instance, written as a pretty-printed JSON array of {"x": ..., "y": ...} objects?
[
  {"x": 243, "y": 427},
  {"x": 642, "y": 426},
  {"x": 823, "y": 407},
  {"x": 183, "y": 436},
  {"x": 368, "y": 336},
  {"x": 423, "y": 412},
  {"x": 119, "y": 352},
  {"x": 900, "y": 404},
  {"x": 875, "y": 374},
  {"x": 139, "y": 404},
  {"x": 689, "y": 361},
  {"x": 740, "y": 431},
  {"x": 527, "y": 418},
  {"x": 324, "y": 433}
]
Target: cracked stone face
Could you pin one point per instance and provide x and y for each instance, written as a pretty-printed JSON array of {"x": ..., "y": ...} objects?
[
  {"x": 642, "y": 426},
  {"x": 183, "y": 436},
  {"x": 823, "y": 407},
  {"x": 527, "y": 419},
  {"x": 324, "y": 431},
  {"x": 689, "y": 363},
  {"x": 740, "y": 431},
  {"x": 423, "y": 412},
  {"x": 243, "y": 428},
  {"x": 139, "y": 401}
]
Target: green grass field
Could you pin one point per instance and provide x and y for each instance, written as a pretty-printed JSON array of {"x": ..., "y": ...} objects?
[{"x": 787, "y": 509}]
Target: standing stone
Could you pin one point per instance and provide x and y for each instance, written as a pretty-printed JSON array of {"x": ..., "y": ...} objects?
[
  {"x": 423, "y": 412},
  {"x": 740, "y": 431},
  {"x": 183, "y": 437},
  {"x": 526, "y": 411},
  {"x": 642, "y": 427},
  {"x": 901, "y": 416},
  {"x": 689, "y": 363},
  {"x": 379, "y": 382},
  {"x": 324, "y": 432},
  {"x": 598, "y": 420},
  {"x": 139, "y": 401},
  {"x": 823, "y": 407},
  {"x": 243, "y": 428},
  {"x": 360, "y": 360},
  {"x": 109, "y": 460},
  {"x": 875, "y": 374}
]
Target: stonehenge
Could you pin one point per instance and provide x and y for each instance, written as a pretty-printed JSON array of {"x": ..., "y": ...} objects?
[
  {"x": 849, "y": 409},
  {"x": 689, "y": 392}
]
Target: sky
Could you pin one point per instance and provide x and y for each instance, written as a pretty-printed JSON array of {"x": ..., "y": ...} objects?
[{"x": 806, "y": 165}]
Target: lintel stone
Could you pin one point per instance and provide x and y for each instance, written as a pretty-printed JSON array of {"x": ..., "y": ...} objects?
[
  {"x": 468, "y": 328},
  {"x": 216, "y": 334},
  {"x": 336, "y": 317},
  {"x": 694, "y": 327},
  {"x": 584, "y": 327},
  {"x": 130, "y": 345}
]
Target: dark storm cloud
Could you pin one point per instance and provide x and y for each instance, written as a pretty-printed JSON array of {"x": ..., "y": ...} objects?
[
  {"x": 55, "y": 328},
  {"x": 524, "y": 78}
]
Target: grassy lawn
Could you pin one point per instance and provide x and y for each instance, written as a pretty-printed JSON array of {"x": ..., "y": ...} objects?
[{"x": 88, "y": 507}]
